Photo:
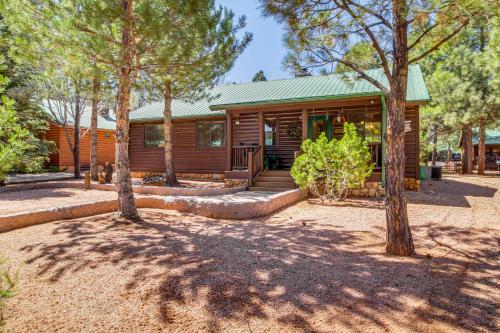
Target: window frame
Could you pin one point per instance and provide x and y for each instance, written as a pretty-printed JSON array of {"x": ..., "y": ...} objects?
[
  {"x": 144, "y": 136},
  {"x": 276, "y": 131},
  {"x": 224, "y": 135}
]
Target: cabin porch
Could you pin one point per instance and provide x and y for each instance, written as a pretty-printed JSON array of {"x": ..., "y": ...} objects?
[{"x": 268, "y": 139}]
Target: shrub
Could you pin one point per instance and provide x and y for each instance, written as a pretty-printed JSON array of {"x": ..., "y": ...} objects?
[
  {"x": 7, "y": 286},
  {"x": 328, "y": 169}
]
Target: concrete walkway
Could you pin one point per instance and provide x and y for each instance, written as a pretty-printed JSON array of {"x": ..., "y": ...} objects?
[
  {"x": 37, "y": 177},
  {"x": 241, "y": 205}
]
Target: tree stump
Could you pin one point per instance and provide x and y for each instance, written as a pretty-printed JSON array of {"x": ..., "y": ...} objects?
[
  {"x": 108, "y": 173},
  {"x": 86, "y": 180}
]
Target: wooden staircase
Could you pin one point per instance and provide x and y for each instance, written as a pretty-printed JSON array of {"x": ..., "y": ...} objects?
[{"x": 273, "y": 181}]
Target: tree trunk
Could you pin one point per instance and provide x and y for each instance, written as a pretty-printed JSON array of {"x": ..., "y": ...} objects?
[
  {"x": 467, "y": 150},
  {"x": 481, "y": 148},
  {"x": 76, "y": 137},
  {"x": 170, "y": 179},
  {"x": 94, "y": 168},
  {"x": 434, "y": 144},
  {"x": 399, "y": 238},
  {"x": 126, "y": 202},
  {"x": 449, "y": 152}
]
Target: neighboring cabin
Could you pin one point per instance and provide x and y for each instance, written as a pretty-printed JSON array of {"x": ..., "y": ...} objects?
[
  {"x": 492, "y": 144},
  {"x": 63, "y": 157},
  {"x": 264, "y": 124}
]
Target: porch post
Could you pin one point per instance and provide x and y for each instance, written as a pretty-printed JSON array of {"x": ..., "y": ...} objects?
[
  {"x": 384, "y": 136},
  {"x": 261, "y": 139},
  {"x": 305, "y": 135},
  {"x": 229, "y": 140}
]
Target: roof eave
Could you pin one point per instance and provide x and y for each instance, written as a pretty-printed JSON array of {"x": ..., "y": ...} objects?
[{"x": 218, "y": 107}]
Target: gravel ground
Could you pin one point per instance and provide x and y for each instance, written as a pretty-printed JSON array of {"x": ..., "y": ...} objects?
[
  {"x": 306, "y": 268},
  {"x": 25, "y": 201}
]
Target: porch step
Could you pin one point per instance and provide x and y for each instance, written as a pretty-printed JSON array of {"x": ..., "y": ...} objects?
[
  {"x": 282, "y": 179},
  {"x": 277, "y": 173},
  {"x": 273, "y": 181},
  {"x": 269, "y": 189},
  {"x": 275, "y": 184}
]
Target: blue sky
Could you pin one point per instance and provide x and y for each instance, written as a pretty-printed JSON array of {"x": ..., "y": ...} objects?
[{"x": 266, "y": 50}]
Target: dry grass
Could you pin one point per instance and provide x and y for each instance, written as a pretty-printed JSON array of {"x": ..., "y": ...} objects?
[{"x": 306, "y": 268}]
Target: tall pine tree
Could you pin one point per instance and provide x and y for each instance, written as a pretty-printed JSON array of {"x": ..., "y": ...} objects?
[
  {"x": 191, "y": 57},
  {"x": 321, "y": 32}
]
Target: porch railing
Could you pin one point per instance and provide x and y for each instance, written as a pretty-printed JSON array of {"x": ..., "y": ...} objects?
[
  {"x": 376, "y": 154},
  {"x": 254, "y": 164},
  {"x": 239, "y": 156}
]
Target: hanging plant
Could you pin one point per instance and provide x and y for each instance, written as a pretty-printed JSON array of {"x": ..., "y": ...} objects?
[{"x": 294, "y": 130}]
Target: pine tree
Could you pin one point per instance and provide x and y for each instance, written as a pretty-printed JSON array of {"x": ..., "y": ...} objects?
[
  {"x": 191, "y": 58},
  {"x": 23, "y": 83},
  {"x": 259, "y": 76},
  {"x": 321, "y": 33},
  {"x": 461, "y": 78}
]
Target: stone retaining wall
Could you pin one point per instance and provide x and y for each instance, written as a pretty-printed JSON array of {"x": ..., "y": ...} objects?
[{"x": 369, "y": 189}]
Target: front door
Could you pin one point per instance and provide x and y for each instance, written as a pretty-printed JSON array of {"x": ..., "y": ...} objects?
[{"x": 318, "y": 125}]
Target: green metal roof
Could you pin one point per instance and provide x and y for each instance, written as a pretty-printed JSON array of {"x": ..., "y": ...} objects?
[
  {"x": 103, "y": 122},
  {"x": 180, "y": 109},
  {"x": 492, "y": 137},
  {"x": 314, "y": 88},
  {"x": 301, "y": 89}
]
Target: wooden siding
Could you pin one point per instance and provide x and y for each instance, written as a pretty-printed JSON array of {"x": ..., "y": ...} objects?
[
  {"x": 412, "y": 139},
  {"x": 245, "y": 129},
  {"x": 286, "y": 146},
  {"x": 53, "y": 135},
  {"x": 188, "y": 158},
  {"x": 64, "y": 156}
]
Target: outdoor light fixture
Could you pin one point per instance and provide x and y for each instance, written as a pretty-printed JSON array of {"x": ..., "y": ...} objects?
[{"x": 237, "y": 122}]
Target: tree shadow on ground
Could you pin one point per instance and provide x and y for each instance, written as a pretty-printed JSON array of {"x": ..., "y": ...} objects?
[
  {"x": 37, "y": 194},
  {"x": 311, "y": 278},
  {"x": 449, "y": 192},
  {"x": 355, "y": 202}
]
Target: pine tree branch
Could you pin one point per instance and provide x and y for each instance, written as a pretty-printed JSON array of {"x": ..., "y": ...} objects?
[
  {"x": 441, "y": 42},
  {"x": 422, "y": 36},
  {"x": 357, "y": 69},
  {"x": 371, "y": 12},
  {"x": 371, "y": 35}
]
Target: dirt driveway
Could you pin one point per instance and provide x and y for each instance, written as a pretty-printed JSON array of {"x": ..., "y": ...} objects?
[{"x": 307, "y": 268}]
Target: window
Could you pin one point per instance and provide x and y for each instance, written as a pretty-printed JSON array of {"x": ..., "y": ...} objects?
[
  {"x": 270, "y": 132},
  {"x": 154, "y": 136},
  {"x": 210, "y": 134}
]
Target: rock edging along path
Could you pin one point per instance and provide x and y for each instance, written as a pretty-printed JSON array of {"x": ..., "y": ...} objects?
[
  {"x": 243, "y": 205},
  {"x": 141, "y": 189}
]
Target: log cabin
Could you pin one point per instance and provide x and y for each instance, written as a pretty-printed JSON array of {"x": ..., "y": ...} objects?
[
  {"x": 252, "y": 132},
  {"x": 63, "y": 157}
]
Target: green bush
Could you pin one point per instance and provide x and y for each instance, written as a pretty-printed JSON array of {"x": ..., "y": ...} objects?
[
  {"x": 328, "y": 169},
  {"x": 8, "y": 283}
]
